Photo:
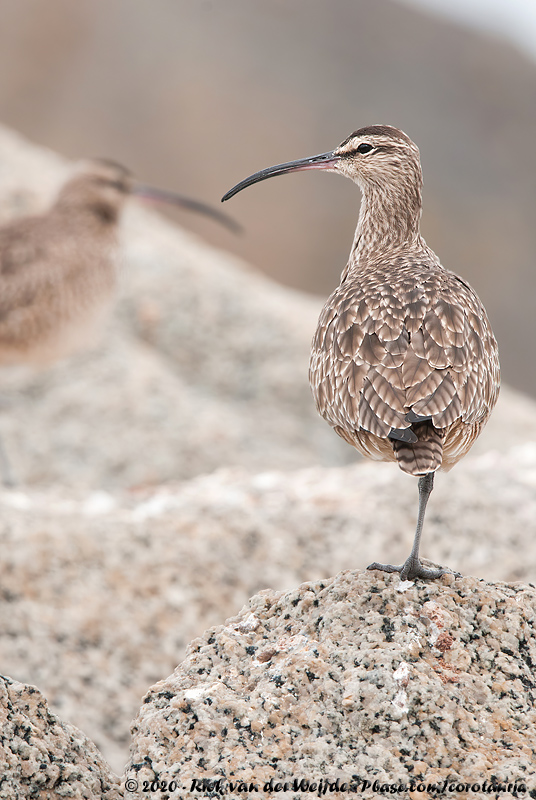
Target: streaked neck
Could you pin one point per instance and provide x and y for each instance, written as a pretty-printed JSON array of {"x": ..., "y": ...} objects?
[{"x": 389, "y": 220}]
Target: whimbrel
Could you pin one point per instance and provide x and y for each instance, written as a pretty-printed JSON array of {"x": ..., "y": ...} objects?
[
  {"x": 404, "y": 364},
  {"x": 58, "y": 271}
]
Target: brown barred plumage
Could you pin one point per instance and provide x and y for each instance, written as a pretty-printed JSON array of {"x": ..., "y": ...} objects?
[{"x": 404, "y": 365}]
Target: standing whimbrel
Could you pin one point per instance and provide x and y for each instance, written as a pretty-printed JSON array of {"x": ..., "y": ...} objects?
[
  {"x": 57, "y": 270},
  {"x": 404, "y": 364}
]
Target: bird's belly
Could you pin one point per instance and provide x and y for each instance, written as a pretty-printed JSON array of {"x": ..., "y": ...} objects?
[{"x": 41, "y": 339}]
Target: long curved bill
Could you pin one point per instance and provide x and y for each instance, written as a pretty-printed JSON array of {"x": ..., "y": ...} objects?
[
  {"x": 323, "y": 161},
  {"x": 164, "y": 196}
]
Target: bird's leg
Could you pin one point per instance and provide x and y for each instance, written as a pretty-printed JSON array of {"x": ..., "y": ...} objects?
[{"x": 413, "y": 568}]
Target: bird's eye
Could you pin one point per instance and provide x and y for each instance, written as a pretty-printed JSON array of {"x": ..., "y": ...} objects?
[{"x": 364, "y": 148}]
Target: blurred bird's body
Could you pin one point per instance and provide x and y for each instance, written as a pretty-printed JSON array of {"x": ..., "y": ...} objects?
[
  {"x": 58, "y": 271},
  {"x": 404, "y": 365}
]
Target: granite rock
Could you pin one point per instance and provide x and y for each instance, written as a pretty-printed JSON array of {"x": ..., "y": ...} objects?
[
  {"x": 360, "y": 677},
  {"x": 101, "y": 593},
  {"x": 43, "y": 758}
]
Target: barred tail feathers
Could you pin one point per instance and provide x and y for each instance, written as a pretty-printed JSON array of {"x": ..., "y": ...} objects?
[{"x": 423, "y": 456}]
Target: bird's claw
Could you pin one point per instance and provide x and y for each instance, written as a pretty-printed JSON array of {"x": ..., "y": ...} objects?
[{"x": 412, "y": 569}]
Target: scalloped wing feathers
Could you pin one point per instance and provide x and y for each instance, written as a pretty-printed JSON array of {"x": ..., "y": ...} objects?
[{"x": 406, "y": 340}]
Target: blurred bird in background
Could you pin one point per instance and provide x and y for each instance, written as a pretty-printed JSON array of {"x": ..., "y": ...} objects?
[{"x": 58, "y": 270}]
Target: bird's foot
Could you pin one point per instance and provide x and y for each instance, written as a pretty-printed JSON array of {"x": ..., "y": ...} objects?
[{"x": 412, "y": 569}]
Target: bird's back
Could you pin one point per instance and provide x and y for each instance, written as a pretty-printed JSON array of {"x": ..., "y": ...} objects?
[{"x": 404, "y": 364}]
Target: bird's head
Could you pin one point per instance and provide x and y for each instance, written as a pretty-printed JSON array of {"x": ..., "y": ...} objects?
[
  {"x": 99, "y": 187},
  {"x": 377, "y": 156}
]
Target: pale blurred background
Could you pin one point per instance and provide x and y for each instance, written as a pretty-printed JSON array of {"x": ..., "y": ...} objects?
[{"x": 196, "y": 94}]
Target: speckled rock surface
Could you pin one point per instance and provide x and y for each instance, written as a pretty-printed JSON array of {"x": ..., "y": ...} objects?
[
  {"x": 101, "y": 593},
  {"x": 359, "y": 677},
  {"x": 43, "y": 758}
]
